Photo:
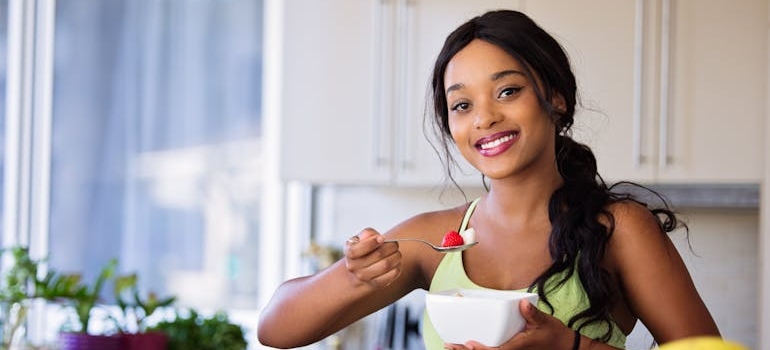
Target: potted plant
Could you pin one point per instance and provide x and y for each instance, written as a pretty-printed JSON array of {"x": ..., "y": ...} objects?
[
  {"x": 134, "y": 313},
  {"x": 17, "y": 287},
  {"x": 193, "y": 331},
  {"x": 21, "y": 283},
  {"x": 83, "y": 299}
]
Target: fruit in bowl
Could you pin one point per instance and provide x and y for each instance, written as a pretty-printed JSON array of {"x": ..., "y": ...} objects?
[{"x": 488, "y": 316}]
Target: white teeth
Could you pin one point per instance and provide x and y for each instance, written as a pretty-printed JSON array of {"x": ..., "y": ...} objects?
[{"x": 497, "y": 142}]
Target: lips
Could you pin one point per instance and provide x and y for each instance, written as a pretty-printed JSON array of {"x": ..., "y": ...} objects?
[{"x": 497, "y": 143}]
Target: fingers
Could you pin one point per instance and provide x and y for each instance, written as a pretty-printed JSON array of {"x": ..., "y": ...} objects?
[
  {"x": 374, "y": 267},
  {"x": 531, "y": 314},
  {"x": 371, "y": 261},
  {"x": 542, "y": 330},
  {"x": 471, "y": 345},
  {"x": 534, "y": 317},
  {"x": 363, "y": 243},
  {"x": 474, "y": 345}
]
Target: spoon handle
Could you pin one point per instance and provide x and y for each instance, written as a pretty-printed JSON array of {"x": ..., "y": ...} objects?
[
  {"x": 409, "y": 239},
  {"x": 441, "y": 249}
]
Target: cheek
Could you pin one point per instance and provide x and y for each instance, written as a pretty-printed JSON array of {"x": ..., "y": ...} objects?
[
  {"x": 460, "y": 134},
  {"x": 454, "y": 129},
  {"x": 461, "y": 138},
  {"x": 549, "y": 136}
]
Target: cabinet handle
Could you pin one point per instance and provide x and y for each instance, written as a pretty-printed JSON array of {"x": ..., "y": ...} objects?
[
  {"x": 665, "y": 82},
  {"x": 383, "y": 82},
  {"x": 405, "y": 12},
  {"x": 638, "y": 159}
]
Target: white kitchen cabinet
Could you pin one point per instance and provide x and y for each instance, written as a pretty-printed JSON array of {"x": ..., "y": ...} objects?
[
  {"x": 673, "y": 90},
  {"x": 718, "y": 92},
  {"x": 350, "y": 86}
]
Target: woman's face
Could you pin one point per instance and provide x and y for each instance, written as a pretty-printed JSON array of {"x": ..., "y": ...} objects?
[{"x": 494, "y": 114}]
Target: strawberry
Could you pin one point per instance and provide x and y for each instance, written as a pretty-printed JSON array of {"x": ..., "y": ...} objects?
[{"x": 451, "y": 239}]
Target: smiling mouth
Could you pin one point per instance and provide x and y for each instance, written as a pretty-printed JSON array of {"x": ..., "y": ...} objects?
[{"x": 496, "y": 141}]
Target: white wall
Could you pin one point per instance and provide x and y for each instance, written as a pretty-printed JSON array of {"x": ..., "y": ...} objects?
[{"x": 725, "y": 269}]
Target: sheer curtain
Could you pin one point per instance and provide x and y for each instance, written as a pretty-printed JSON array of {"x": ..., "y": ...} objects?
[
  {"x": 3, "y": 75},
  {"x": 156, "y": 149}
]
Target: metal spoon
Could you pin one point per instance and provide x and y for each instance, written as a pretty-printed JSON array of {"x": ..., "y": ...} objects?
[{"x": 456, "y": 248}]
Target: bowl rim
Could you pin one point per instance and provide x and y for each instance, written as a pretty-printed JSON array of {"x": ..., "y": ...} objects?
[{"x": 480, "y": 294}]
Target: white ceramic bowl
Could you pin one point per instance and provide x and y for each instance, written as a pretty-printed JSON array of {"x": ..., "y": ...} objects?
[{"x": 490, "y": 317}]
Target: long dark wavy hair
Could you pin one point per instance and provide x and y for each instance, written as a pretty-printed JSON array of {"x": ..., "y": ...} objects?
[{"x": 578, "y": 239}]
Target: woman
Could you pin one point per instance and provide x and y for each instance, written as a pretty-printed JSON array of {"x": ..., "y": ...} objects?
[{"x": 504, "y": 95}]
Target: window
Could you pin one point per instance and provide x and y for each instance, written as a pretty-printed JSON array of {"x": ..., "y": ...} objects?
[{"x": 154, "y": 148}]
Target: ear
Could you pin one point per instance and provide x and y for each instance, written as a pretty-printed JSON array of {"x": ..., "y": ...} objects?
[{"x": 558, "y": 103}]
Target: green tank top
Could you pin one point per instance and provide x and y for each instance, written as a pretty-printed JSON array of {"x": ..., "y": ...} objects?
[{"x": 567, "y": 299}]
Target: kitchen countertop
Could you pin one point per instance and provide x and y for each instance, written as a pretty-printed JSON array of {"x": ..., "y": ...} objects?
[{"x": 704, "y": 196}]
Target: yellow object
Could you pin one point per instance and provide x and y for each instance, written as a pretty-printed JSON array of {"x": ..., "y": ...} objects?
[{"x": 702, "y": 343}]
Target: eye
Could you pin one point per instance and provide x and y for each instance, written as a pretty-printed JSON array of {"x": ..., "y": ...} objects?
[
  {"x": 460, "y": 106},
  {"x": 509, "y": 91}
]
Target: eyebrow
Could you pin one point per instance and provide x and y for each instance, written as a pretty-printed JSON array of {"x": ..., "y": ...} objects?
[
  {"x": 495, "y": 76},
  {"x": 505, "y": 73}
]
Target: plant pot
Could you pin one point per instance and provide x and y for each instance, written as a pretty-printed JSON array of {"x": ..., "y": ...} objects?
[
  {"x": 81, "y": 341},
  {"x": 143, "y": 341}
]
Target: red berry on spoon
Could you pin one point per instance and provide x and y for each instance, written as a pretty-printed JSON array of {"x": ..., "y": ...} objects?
[{"x": 451, "y": 239}]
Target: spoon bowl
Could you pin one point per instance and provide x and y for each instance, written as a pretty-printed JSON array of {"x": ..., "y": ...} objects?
[{"x": 449, "y": 249}]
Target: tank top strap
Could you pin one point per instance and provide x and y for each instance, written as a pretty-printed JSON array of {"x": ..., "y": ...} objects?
[{"x": 468, "y": 213}]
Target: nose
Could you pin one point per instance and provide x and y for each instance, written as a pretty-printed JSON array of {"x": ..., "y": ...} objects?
[{"x": 486, "y": 116}]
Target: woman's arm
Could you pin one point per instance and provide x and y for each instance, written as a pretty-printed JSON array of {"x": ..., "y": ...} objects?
[
  {"x": 305, "y": 310},
  {"x": 654, "y": 280},
  {"x": 372, "y": 275}
]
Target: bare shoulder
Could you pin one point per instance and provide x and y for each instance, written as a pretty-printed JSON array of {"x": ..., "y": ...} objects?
[
  {"x": 637, "y": 235},
  {"x": 633, "y": 222}
]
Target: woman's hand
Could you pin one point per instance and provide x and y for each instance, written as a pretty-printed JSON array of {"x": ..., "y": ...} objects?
[
  {"x": 370, "y": 261},
  {"x": 542, "y": 331}
]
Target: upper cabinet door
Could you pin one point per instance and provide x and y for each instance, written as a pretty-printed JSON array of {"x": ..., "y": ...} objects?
[
  {"x": 712, "y": 125},
  {"x": 604, "y": 40},
  {"x": 329, "y": 95}
]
